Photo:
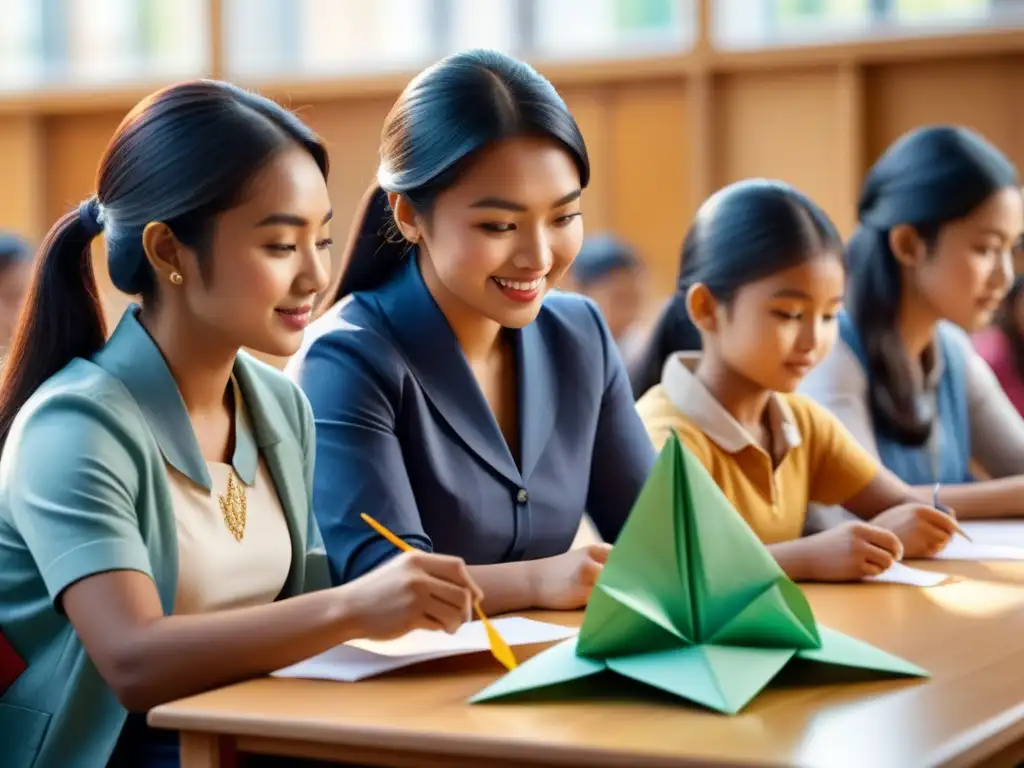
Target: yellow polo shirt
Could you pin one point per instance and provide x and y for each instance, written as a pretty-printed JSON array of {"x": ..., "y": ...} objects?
[{"x": 814, "y": 458}]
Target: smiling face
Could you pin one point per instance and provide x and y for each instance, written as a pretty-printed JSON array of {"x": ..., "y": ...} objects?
[
  {"x": 267, "y": 261},
  {"x": 503, "y": 235},
  {"x": 969, "y": 268},
  {"x": 775, "y": 330}
]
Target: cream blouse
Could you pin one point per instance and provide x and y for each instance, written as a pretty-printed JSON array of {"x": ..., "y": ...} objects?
[{"x": 215, "y": 570}]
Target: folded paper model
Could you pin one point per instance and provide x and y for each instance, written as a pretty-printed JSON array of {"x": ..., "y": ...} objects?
[{"x": 691, "y": 602}]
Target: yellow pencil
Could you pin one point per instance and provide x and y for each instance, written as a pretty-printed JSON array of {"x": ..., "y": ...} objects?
[{"x": 499, "y": 648}]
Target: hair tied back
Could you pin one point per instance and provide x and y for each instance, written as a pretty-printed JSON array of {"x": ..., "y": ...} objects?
[{"x": 90, "y": 214}]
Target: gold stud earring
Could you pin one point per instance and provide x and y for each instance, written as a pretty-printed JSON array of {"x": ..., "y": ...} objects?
[{"x": 176, "y": 278}]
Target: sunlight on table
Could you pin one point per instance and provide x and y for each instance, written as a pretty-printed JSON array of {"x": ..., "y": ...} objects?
[{"x": 975, "y": 598}]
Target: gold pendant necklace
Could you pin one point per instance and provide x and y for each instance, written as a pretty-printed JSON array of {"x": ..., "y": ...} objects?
[{"x": 233, "y": 506}]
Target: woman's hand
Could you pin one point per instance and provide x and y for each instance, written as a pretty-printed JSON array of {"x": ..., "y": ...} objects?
[{"x": 413, "y": 591}]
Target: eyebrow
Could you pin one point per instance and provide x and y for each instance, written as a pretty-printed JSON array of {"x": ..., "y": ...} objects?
[
  {"x": 509, "y": 205},
  {"x": 790, "y": 293},
  {"x": 1000, "y": 233},
  {"x": 290, "y": 220}
]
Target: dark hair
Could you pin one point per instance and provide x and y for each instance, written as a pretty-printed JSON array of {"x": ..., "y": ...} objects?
[
  {"x": 13, "y": 250},
  {"x": 743, "y": 233},
  {"x": 443, "y": 118},
  {"x": 182, "y": 156},
  {"x": 601, "y": 255},
  {"x": 926, "y": 178},
  {"x": 1007, "y": 320}
]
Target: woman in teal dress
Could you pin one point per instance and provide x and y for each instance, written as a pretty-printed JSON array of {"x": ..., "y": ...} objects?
[{"x": 156, "y": 537}]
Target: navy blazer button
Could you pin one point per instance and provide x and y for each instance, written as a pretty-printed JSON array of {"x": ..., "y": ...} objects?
[{"x": 522, "y": 496}]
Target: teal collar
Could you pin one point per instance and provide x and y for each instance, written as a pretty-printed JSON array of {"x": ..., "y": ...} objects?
[{"x": 133, "y": 357}]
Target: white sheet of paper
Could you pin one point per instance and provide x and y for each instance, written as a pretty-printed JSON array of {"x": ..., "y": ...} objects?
[
  {"x": 899, "y": 573},
  {"x": 360, "y": 659},
  {"x": 961, "y": 549},
  {"x": 1003, "y": 532}
]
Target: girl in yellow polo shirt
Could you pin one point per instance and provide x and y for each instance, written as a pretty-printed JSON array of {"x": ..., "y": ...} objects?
[{"x": 763, "y": 278}]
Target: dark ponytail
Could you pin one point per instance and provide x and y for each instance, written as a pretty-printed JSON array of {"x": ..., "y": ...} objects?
[
  {"x": 374, "y": 248},
  {"x": 62, "y": 317},
  {"x": 743, "y": 233},
  {"x": 182, "y": 156},
  {"x": 928, "y": 177},
  {"x": 447, "y": 114}
]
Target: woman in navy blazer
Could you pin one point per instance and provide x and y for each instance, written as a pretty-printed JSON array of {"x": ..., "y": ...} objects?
[{"x": 457, "y": 398}]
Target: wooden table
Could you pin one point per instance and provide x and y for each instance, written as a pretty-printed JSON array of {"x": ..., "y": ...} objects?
[{"x": 969, "y": 634}]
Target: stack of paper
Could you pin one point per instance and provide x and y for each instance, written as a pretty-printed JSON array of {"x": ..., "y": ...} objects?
[
  {"x": 360, "y": 659},
  {"x": 692, "y": 603}
]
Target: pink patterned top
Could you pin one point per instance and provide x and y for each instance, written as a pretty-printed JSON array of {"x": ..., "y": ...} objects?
[{"x": 995, "y": 349}]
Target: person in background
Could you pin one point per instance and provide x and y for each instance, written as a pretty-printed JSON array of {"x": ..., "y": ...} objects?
[
  {"x": 940, "y": 214},
  {"x": 1001, "y": 345},
  {"x": 156, "y": 535},
  {"x": 764, "y": 272},
  {"x": 609, "y": 273},
  {"x": 458, "y": 398},
  {"x": 15, "y": 266}
]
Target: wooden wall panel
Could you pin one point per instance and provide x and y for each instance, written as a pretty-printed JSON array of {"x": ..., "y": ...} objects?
[
  {"x": 351, "y": 130},
  {"x": 983, "y": 93},
  {"x": 651, "y": 205},
  {"x": 590, "y": 106},
  {"x": 21, "y": 160},
  {"x": 787, "y": 125}
]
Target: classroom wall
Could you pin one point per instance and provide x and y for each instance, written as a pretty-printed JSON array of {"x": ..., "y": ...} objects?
[{"x": 663, "y": 134}]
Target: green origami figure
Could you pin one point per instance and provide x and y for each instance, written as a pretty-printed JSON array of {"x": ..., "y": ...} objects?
[{"x": 692, "y": 603}]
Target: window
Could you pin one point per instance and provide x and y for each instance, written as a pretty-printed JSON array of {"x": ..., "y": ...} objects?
[
  {"x": 278, "y": 39},
  {"x": 46, "y": 43},
  {"x": 21, "y": 42},
  {"x": 756, "y": 23},
  {"x": 581, "y": 29}
]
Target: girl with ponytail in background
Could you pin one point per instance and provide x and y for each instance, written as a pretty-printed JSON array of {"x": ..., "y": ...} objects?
[
  {"x": 458, "y": 398},
  {"x": 763, "y": 277},
  {"x": 156, "y": 536},
  {"x": 940, "y": 216}
]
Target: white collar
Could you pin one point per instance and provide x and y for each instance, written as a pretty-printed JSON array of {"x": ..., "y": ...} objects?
[{"x": 689, "y": 395}]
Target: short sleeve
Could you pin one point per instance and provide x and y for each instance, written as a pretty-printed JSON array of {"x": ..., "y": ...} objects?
[
  {"x": 317, "y": 571},
  {"x": 838, "y": 466},
  {"x": 623, "y": 455},
  {"x": 359, "y": 460},
  {"x": 71, "y": 481}
]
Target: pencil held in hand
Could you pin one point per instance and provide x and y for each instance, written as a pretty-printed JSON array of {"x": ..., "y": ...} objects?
[
  {"x": 943, "y": 508},
  {"x": 499, "y": 648}
]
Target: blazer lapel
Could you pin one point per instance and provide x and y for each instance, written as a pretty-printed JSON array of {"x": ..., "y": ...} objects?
[
  {"x": 284, "y": 458},
  {"x": 437, "y": 362},
  {"x": 537, "y": 390}
]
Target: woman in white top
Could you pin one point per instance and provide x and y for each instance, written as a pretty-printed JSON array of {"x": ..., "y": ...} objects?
[{"x": 940, "y": 216}]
